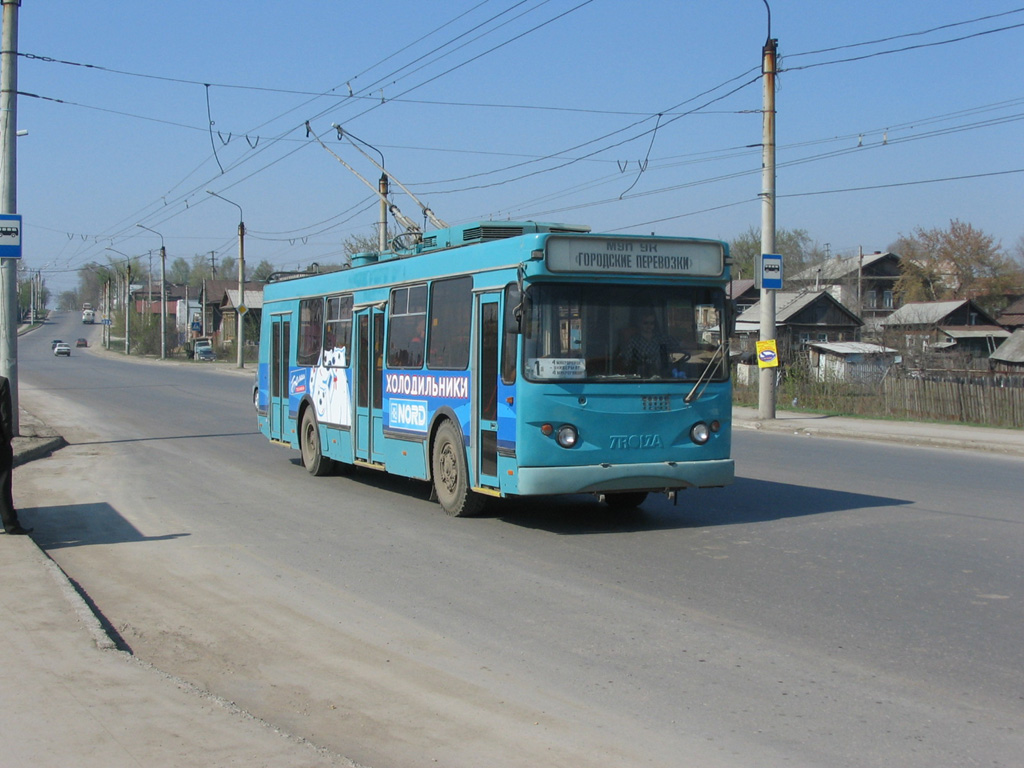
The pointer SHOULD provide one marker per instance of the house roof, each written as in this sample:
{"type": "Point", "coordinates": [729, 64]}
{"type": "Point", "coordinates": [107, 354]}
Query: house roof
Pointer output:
{"type": "Point", "coordinates": [787, 305]}
{"type": "Point", "coordinates": [253, 299]}
{"type": "Point", "coordinates": [932, 313]}
{"type": "Point", "coordinates": [1011, 350]}
{"type": "Point", "coordinates": [974, 331]}
{"type": "Point", "coordinates": [836, 269]}
{"type": "Point", "coordinates": [851, 348]}
{"type": "Point", "coordinates": [739, 287]}
{"type": "Point", "coordinates": [1013, 314]}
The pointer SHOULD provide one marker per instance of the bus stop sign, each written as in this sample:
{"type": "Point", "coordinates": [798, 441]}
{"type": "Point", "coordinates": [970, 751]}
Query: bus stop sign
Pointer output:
{"type": "Point", "coordinates": [771, 271]}
{"type": "Point", "coordinates": [10, 235]}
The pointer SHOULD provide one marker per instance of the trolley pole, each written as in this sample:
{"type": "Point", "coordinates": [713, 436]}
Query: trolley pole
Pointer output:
{"type": "Point", "coordinates": [9, 200]}
{"type": "Point", "coordinates": [382, 235]}
{"type": "Point", "coordinates": [766, 380]}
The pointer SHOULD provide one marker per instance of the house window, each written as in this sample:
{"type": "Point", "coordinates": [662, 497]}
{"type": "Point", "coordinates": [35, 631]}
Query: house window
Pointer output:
{"type": "Point", "coordinates": [887, 299]}
{"type": "Point", "coordinates": [871, 300]}
{"type": "Point", "coordinates": [804, 338]}
{"type": "Point", "coordinates": [822, 337]}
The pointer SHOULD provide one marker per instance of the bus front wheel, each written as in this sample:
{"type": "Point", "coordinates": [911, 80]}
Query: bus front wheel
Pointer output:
{"type": "Point", "coordinates": [313, 458]}
{"type": "Point", "coordinates": [451, 475]}
{"type": "Point", "coordinates": [625, 500]}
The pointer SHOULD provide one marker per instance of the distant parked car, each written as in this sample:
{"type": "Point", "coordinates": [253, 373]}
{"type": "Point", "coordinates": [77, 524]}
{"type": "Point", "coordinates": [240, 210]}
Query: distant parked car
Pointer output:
{"type": "Point", "coordinates": [205, 353]}
{"type": "Point", "coordinates": [82, 343]}
{"type": "Point", "coordinates": [60, 348]}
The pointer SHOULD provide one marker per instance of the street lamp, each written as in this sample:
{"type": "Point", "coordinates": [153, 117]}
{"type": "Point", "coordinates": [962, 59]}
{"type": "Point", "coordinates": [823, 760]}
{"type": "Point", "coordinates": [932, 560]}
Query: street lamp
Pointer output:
{"type": "Point", "coordinates": [240, 308]}
{"type": "Point", "coordinates": [163, 292]}
{"type": "Point", "coordinates": [127, 299]}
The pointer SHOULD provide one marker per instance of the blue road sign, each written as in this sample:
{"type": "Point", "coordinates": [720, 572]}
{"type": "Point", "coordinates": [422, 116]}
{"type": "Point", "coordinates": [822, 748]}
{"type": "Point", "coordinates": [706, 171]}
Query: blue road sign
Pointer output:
{"type": "Point", "coordinates": [10, 235]}
{"type": "Point", "coordinates": [771, 271]}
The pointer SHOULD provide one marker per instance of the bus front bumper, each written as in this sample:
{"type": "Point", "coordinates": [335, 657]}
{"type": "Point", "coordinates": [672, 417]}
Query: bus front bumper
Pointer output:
{"type": "Point", "coordinates": [604, 478]}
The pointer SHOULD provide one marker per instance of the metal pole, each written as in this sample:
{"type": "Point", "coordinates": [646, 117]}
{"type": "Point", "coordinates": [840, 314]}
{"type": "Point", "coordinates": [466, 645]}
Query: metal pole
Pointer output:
{"type": "Point", "coordinates": [163, 292]}
{"type": "Point", "coordinates": [241, 292]}
{"type": "Point", "coordinates": [241, 278]}
{"type": "Point", "coordinates": [766, 380]}
{"type": "Point", "coordinates": [163, 302]}
{"type": "Point", "coordinates": [9, 200]}
{"type": "Point", "coordinates": [127, 308]}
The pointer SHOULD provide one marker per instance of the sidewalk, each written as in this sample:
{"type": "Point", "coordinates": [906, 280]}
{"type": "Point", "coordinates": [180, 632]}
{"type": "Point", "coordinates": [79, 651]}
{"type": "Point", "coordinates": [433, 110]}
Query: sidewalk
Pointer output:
{"type": "Point", "coordinates": [1008, 442]}
{"type": "Point", "coordinates": [69, 697]}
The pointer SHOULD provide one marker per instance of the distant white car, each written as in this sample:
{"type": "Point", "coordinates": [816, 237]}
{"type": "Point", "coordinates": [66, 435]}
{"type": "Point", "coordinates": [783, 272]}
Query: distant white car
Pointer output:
{"type": "Point", "coordinates": [62, 349]}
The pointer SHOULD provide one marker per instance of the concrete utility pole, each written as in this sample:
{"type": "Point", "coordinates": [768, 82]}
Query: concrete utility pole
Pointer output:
{"type": "Point", "coordinates": [766, 380]}
{"type": "Point", "coordinates": [9, 200]}
{"type": "Point", "coordinates": [127, 299]}
{"type": "Point", "coordinates": [163, 292]}
{"type": "Point", "coordinates": [240, 308]}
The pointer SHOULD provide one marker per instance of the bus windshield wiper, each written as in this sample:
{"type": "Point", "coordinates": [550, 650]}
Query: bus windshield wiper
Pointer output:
{"type": "Point", "coordinates": [705, 376]}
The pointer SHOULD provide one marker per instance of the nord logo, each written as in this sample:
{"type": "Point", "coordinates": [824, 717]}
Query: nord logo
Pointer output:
{"type": "Point", "coordinates": [635, 441]}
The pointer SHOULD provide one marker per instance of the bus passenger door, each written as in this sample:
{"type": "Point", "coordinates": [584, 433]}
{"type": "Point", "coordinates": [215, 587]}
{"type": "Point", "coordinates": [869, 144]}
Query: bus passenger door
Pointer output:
{"type": "Point", "coordinates": [280, 349]}
{"type": "Point", "coordinates": [486, 412]}
{"type": "Point", "coordinates": [369, 423]}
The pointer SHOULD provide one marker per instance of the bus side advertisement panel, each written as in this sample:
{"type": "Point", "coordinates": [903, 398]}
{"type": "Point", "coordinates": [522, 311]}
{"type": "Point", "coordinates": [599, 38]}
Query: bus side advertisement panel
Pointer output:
{"type": "Point", "coordinates": [412, 398]}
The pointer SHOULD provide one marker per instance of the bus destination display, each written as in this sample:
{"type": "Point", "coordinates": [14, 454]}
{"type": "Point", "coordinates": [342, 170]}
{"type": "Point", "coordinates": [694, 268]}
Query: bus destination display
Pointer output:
{"type": "Point", "coordinates": [639, 256]}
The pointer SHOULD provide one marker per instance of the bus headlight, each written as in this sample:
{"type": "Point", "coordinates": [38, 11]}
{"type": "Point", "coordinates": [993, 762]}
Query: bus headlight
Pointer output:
{"type": "Point", "coordinates": [700, 433]}
{"type": "Point", "coordinates": [567, 436]}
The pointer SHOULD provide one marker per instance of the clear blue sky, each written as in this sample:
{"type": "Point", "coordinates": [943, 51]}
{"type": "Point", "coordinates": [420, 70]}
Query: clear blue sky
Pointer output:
{"type": "Point", "coordinates": [503, 109]}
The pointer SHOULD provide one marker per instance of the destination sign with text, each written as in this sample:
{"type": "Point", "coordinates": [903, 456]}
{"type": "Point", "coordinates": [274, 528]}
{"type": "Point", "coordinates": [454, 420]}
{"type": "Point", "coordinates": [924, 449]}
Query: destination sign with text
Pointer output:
{"type": "Point", "coordinates": [635, 256]}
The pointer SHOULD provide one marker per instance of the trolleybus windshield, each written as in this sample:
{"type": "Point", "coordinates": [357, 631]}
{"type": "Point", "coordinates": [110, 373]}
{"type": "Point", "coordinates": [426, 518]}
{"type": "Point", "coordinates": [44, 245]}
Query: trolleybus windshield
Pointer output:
{"type": "Point", "coordinates": [601, 332]}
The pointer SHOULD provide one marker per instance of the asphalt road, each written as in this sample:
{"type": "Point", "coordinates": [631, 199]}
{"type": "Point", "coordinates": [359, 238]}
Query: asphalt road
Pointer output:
{"type": "Point", "coordinates": [843, 604]}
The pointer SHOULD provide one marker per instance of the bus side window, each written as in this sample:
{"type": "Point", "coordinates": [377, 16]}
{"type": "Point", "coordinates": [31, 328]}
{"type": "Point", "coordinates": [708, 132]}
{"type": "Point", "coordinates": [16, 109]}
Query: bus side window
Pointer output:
{"type": "Point", "coordinates": [311, 328]}
{"type": "Point", "coordinates": [451, 310]}
{"type": "Point", "coordinates": [407, 327]}
{"type": "Point", "coordinates": [338, 331]}
{"type": "Point", "coordinates": [510, 335]}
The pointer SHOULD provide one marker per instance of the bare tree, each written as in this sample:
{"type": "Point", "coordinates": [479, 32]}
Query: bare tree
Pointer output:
{"type": "Point", "coordinates": [960, 262]}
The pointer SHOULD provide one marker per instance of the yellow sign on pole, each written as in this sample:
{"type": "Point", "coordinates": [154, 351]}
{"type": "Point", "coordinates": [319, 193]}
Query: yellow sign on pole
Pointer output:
{"type": "Point", "coordinates": [767, 354]}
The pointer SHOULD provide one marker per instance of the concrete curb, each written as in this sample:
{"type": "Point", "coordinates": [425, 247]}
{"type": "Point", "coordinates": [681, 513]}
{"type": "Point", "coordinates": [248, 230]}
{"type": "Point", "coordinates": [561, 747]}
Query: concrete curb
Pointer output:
{"type": "Point", "coordinates": [35, 441]}
{"type": "Point", "coordinates": [1003, 442]}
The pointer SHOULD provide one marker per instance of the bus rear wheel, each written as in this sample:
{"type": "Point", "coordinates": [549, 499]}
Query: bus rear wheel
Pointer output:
{"type": "Point", "coordinates": [627, 500]}
{"type": "Point", "coordinates": [313, 458]}
{"type": "Point", "coordinates": [451, 475]}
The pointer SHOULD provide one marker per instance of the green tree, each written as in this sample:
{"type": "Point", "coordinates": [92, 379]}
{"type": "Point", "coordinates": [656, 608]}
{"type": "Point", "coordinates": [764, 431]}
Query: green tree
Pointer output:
{"type": "Point", "coordinates": [228, 268]}
{"type": "Point", "coordinates": [202, 269]}
{"type": "Point", "coordinates": [180, 271]}
{"type": "Point", "coordinates": [263, 270]}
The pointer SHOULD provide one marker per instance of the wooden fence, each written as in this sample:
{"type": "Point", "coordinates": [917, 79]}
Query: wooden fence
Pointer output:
{"type": "Point", "coordinates": [996, 401]}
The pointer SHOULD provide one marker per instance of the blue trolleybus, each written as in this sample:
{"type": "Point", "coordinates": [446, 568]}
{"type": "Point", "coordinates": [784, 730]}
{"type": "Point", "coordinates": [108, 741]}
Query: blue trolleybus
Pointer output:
{"type": "Point", "coordinates": [508, 359]}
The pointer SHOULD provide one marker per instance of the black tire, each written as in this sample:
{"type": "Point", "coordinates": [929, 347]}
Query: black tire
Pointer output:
{"type": "Point", "coordinates": [313, 458]}
{"type": "Point", "coordinates": [451, 475]}
{"type": "Point", "coordinates": [625, 500]}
